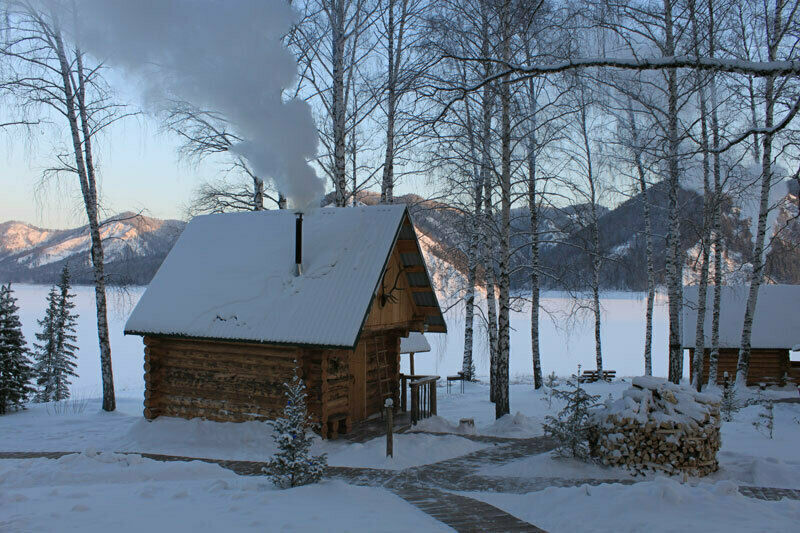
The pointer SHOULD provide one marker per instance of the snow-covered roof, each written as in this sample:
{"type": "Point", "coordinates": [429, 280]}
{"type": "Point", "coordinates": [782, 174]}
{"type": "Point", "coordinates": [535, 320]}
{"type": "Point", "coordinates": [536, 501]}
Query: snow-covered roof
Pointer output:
{"type": "Point", "coordinates": [776, 323]}
{"type": "Point", "coordinates": [415, 342]}
{"type": "Point", "coordinates": [231, 276]}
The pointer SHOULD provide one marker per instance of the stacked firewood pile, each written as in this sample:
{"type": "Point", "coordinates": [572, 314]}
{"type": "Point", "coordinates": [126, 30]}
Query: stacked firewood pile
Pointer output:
{"type": "Point", "coordinates": [660, 426]}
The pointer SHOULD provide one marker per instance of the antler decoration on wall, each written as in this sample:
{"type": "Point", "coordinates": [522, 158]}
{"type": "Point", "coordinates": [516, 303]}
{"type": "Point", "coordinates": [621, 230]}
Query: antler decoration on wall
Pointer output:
{"type": "Point", "coordinates": [390, 296]}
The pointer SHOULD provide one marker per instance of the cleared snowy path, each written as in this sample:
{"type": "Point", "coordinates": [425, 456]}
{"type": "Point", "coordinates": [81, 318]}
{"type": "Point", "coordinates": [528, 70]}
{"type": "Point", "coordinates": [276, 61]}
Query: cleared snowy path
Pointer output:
{"type": "Point", "coordinates": [425, 486]}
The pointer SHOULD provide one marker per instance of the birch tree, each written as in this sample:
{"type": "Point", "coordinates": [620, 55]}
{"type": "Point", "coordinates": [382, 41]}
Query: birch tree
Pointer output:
{"type": "Point", "coordinates": [778, 26]}
{"type": "Point", "coordinates": [54, 76]}
{"type": "Point", "coordinates": [328, 43]}
{"type": "Point", "coordinates": [401, 33]}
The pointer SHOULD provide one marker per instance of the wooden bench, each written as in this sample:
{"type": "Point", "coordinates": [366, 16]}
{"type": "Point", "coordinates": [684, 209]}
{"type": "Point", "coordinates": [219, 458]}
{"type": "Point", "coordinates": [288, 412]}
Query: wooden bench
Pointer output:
{"type": "Point", "coordinates": [458, 377]}
{"type": "Point", "coordinates": [590, 376]}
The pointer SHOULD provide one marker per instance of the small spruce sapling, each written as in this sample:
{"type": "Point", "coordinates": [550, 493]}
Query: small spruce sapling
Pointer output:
{"type": "Point", "coordinates": [766, 419]}
{"type": "Point", "coordinates": [729, 404]}
{"type": "Point", "coordinates": [293, 465]}
{"type": "Point", "coordinates": [573, 426]}
{"type": "Point", "coordinates": [15, 368]}
{"type": "Point", "coordinates": [551, 380]}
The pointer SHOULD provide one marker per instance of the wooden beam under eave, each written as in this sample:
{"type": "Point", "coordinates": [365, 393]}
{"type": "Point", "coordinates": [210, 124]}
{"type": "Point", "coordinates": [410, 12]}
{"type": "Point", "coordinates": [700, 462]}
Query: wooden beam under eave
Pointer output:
{"type": "Point", "coordinates": [429, 310]}
{"type": "Point", "coordinates": [407, 246]}
{"type": "Point", "coordinates": [437, 329]}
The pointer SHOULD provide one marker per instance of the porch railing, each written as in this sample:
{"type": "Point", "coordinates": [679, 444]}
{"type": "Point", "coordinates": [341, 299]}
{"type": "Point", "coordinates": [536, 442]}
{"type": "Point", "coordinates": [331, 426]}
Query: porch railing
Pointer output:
{"type": "Point", "coordinates": [422, 390]}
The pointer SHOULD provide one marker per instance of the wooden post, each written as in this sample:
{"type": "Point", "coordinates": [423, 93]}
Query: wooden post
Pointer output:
{"type": "Point", "coordinates": [414, 403]}
{"type": "Point", "coordinates": [403, 400]}
{"type": "Point", "coordinates": [411, 361]}
{"type": "Point", "coordinates": [389, 427]}
{"type": "Point", "coordinates": [433, 398]}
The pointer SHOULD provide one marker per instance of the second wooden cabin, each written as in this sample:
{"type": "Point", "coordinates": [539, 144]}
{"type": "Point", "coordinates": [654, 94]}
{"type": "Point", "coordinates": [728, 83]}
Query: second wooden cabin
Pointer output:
{"type": "Point", "coordinates": [243, 299]}
{"type": "Point", "coordinates": [776, 330]}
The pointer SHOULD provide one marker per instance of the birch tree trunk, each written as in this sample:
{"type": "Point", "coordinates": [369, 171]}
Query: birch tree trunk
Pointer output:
{"type": "Point", "coordinates": [491, 280]}
{"type": "Point", "coordinates": [674, 257]}
{"type": "Point", "coordinates": [468, 364]}
{"type": "Point", "coordinates": [75, 107]}
{"type": "Point", "coordinates": [648, 235]}
{"type": "Point", "coordinates": [338, 104]}
{"type": "Point", "coordinates": [756, 277]}
{"type": "Point", "coordinates": [713, 358]}
{"type": "Point", "coordinates": [503, 326]}
{"type": "Point", "coordinates": [705, 238]}
{"type": "Point", "coordinates": [595, 235]}
{"type": "Point", "coordinates": [479, 173]}
{"type": "Point", "coordinates": [258, 194]}
{"type": "Point", "coordinates": [394, 50]}
{"type": "Point", "coordinates": [533, 208]}
{"type": "Point", "coordinates": [387, 184]}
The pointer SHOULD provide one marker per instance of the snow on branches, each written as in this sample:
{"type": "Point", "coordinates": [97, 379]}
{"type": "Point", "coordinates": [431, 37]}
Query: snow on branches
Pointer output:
{"type": "Point", "coordinates": [55, 351]}
{"type": "Point", "coordinates": [15, 369]}
{"type": "Point", "coordinates": [293, 465]}
{"type": "Point", "coordinates": [573, 426]}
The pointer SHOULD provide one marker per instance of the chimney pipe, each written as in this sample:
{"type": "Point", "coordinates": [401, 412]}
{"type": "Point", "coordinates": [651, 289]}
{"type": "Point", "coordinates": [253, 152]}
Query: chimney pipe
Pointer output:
{"type": "Point", "coordinates": [298, 244]}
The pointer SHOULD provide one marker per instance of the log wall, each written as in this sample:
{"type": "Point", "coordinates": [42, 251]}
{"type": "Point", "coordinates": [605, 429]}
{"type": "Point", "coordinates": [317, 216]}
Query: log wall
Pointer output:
{"type": "Point", "coordinates": [223, 381]}
{"type": "Point", "coordinates": [766, 365]}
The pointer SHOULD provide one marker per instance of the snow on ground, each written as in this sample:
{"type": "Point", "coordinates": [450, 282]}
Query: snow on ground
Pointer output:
{"type": "Point", "coordinates": [528, 407]}
{"type": "Point", "coordinates": [40, 428]}
{"type": "Point", "coordinates": [92, 491]}
{"type": "Point", "coordinates": [661, 505]}
{"type": "Point", "coordinates": [108, 492]}
{"type": "Point", "coordinates": [747, 455]}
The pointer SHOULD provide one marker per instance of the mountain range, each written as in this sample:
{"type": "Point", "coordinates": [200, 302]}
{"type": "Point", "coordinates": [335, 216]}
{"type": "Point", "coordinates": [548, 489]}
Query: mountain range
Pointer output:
{"type": "Point", "coordinates": [135, 245]}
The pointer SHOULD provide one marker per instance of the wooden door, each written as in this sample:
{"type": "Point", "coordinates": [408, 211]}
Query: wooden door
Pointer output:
{"type": "Point", "coordinates": [358, 383]}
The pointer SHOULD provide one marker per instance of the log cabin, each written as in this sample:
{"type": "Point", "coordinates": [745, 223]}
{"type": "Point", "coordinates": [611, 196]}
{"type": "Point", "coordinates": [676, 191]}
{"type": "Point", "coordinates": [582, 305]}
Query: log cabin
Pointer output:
{"type": "Point", "coordinates": [776, 330]}
{"type": "Point", "coordinates": [243, 300]}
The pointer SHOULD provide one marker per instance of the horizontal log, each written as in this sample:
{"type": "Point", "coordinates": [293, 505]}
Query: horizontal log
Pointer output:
{"type": "Point", "coordinates": [213, 415]}
{"type": "Point", "coordinates": [275, 400]}
{"type": "Point", "coordinates": [264, 350]}
{"type": "Point", "coordinates": [188, 403]}
{"type": "Point", "coordinates": [223, 380]}
{"type": "Point", "coordinates": [206, 355]}
{"type": "Point", "coordinates": [260, 372]}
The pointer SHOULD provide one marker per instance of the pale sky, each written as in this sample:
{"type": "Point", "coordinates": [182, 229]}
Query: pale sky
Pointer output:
{"type": "Point", "coordinates": [138, 165]}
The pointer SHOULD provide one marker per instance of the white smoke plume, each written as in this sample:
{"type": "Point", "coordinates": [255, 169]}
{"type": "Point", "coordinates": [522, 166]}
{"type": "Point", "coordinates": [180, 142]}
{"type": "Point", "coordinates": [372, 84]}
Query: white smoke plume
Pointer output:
{"type": "Point", "coordinates": [222, 55]}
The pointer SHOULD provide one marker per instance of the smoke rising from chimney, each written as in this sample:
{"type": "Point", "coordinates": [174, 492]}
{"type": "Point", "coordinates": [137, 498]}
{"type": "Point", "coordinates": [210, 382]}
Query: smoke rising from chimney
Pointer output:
{"type": "Point", "coordinates": [225, 56]}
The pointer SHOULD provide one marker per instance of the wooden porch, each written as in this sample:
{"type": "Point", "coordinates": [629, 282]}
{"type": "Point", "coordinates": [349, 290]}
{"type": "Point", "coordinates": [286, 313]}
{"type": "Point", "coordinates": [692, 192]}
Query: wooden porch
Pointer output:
{"type": "Point", "coordinates": [417, 401]}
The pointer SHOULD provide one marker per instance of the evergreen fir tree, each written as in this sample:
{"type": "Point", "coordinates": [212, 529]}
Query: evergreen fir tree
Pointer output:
{"type": "Point", "coordinates": [729, 403]}
{"type": "Point", "coordinates": [45, 351]}
{"type": "Point", "coordinates": [573, 426]}
{"type": "Point", "coordinates": [293, 465]}
{"type": "Point", "coordinates": [55, 355]}
{"type": "Point", "coordinates": [15, 369]}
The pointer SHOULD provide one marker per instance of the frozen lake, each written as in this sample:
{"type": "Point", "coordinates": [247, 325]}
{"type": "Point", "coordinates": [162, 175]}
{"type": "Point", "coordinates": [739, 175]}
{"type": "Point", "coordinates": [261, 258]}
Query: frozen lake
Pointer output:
{"type": "Point", "coordinates": [565, 342]}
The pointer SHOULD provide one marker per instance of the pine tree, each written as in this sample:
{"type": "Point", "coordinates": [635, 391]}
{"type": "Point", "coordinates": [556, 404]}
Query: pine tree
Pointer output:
{"type": "Point", "coordinates": [55, 356]}
{"type": "Point", "coordinates": [293, 465]}
{"type": "Point", "coordinates": [15, 369]}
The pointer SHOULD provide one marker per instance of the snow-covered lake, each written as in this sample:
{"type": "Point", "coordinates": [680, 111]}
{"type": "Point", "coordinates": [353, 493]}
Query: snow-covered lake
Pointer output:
{"type": "Point", "coordinates": [565, 343]}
